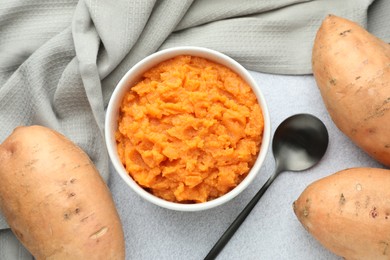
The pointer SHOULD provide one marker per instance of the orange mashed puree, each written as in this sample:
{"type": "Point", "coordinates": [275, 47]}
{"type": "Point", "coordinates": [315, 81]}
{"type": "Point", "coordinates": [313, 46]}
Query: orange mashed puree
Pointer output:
{"type": "Point", "coordinates": [190, 130]}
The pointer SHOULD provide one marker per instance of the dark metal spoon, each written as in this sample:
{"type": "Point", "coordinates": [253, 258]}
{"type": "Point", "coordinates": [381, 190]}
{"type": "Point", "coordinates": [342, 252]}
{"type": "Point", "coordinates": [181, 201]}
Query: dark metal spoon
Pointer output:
{"type": "Point", "coordinates": [299, 143]}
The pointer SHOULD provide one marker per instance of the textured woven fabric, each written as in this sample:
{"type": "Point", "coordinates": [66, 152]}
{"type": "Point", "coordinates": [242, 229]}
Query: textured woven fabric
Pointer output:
{"type": "Point", "coordinates": [61, 59]}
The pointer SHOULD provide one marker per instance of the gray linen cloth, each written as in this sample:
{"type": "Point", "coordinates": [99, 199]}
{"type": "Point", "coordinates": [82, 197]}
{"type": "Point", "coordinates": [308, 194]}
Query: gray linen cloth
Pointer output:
{"type": "Point", "coordinates": [61, 59]}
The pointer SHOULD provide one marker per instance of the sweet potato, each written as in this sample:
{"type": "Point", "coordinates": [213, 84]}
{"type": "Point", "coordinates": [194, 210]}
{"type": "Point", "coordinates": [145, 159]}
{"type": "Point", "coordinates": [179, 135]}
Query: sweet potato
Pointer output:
{"type": "Point", "coordinates": [352, 70]}
{"type": "Point", "coordinates": [349, 213]}
{"type": "Point", "coordinates": [54, 199]}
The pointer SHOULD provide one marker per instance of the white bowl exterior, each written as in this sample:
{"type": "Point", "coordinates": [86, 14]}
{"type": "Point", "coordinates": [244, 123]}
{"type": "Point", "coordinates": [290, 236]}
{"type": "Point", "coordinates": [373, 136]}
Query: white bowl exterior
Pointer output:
{"type": "Point", "coordinates": [133, 76]}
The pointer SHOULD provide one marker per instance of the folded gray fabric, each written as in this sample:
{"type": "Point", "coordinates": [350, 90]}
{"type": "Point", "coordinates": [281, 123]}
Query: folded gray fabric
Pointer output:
{"type": "Point", "coordinates": [61, 59]}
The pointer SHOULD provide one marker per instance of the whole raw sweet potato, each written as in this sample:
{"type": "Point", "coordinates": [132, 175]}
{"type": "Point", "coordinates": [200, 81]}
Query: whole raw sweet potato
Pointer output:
{"type": "Point", "coordinates": [352, 71]}
{"type": "Point", "coordinates": [54, 199]}
{"type": "Point", "coordinates": [349, 213]}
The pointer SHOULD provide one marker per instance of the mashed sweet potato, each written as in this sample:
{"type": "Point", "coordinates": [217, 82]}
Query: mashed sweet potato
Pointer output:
{"type": "Point", "coordinates": [190, 130]}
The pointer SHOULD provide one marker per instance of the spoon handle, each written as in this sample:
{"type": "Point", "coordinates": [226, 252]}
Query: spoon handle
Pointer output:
{"type": "Point", "coordinates": [239, 220]}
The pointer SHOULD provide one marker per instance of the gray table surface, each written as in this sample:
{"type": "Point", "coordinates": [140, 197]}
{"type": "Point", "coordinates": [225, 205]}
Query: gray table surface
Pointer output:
{"type": "Point", "coordinates": [272, 231]}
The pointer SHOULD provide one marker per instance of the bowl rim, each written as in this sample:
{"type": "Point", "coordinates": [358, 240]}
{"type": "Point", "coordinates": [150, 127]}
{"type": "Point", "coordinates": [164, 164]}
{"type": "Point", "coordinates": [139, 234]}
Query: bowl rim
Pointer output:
{"type": "Point", "coordinates": [123, 86]}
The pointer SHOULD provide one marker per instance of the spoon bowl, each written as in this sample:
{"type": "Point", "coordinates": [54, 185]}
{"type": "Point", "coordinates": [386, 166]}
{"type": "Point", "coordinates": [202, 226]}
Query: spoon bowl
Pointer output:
{"type": "Point", "coordinates": [299, 143]}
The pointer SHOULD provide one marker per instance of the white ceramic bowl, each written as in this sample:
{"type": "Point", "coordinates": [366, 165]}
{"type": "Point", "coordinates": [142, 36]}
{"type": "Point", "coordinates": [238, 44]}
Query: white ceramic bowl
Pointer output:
{"type": "Point", "coordinates": [133, 76]}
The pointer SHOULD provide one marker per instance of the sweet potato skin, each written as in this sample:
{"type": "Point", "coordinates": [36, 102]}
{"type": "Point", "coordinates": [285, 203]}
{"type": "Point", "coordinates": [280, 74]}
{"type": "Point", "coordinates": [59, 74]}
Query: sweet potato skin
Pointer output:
{"type": "Point", "coordinates": [349, 213]}
{"type": "Point", "coordinates": [352, 70]}
{"type": "Point", "coordinates": [54, 199]}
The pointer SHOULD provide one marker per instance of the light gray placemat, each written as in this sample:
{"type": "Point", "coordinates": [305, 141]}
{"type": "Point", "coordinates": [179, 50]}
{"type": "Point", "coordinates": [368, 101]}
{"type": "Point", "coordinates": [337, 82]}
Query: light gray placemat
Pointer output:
{"type": "Point", "coordinates": [61, 59]}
